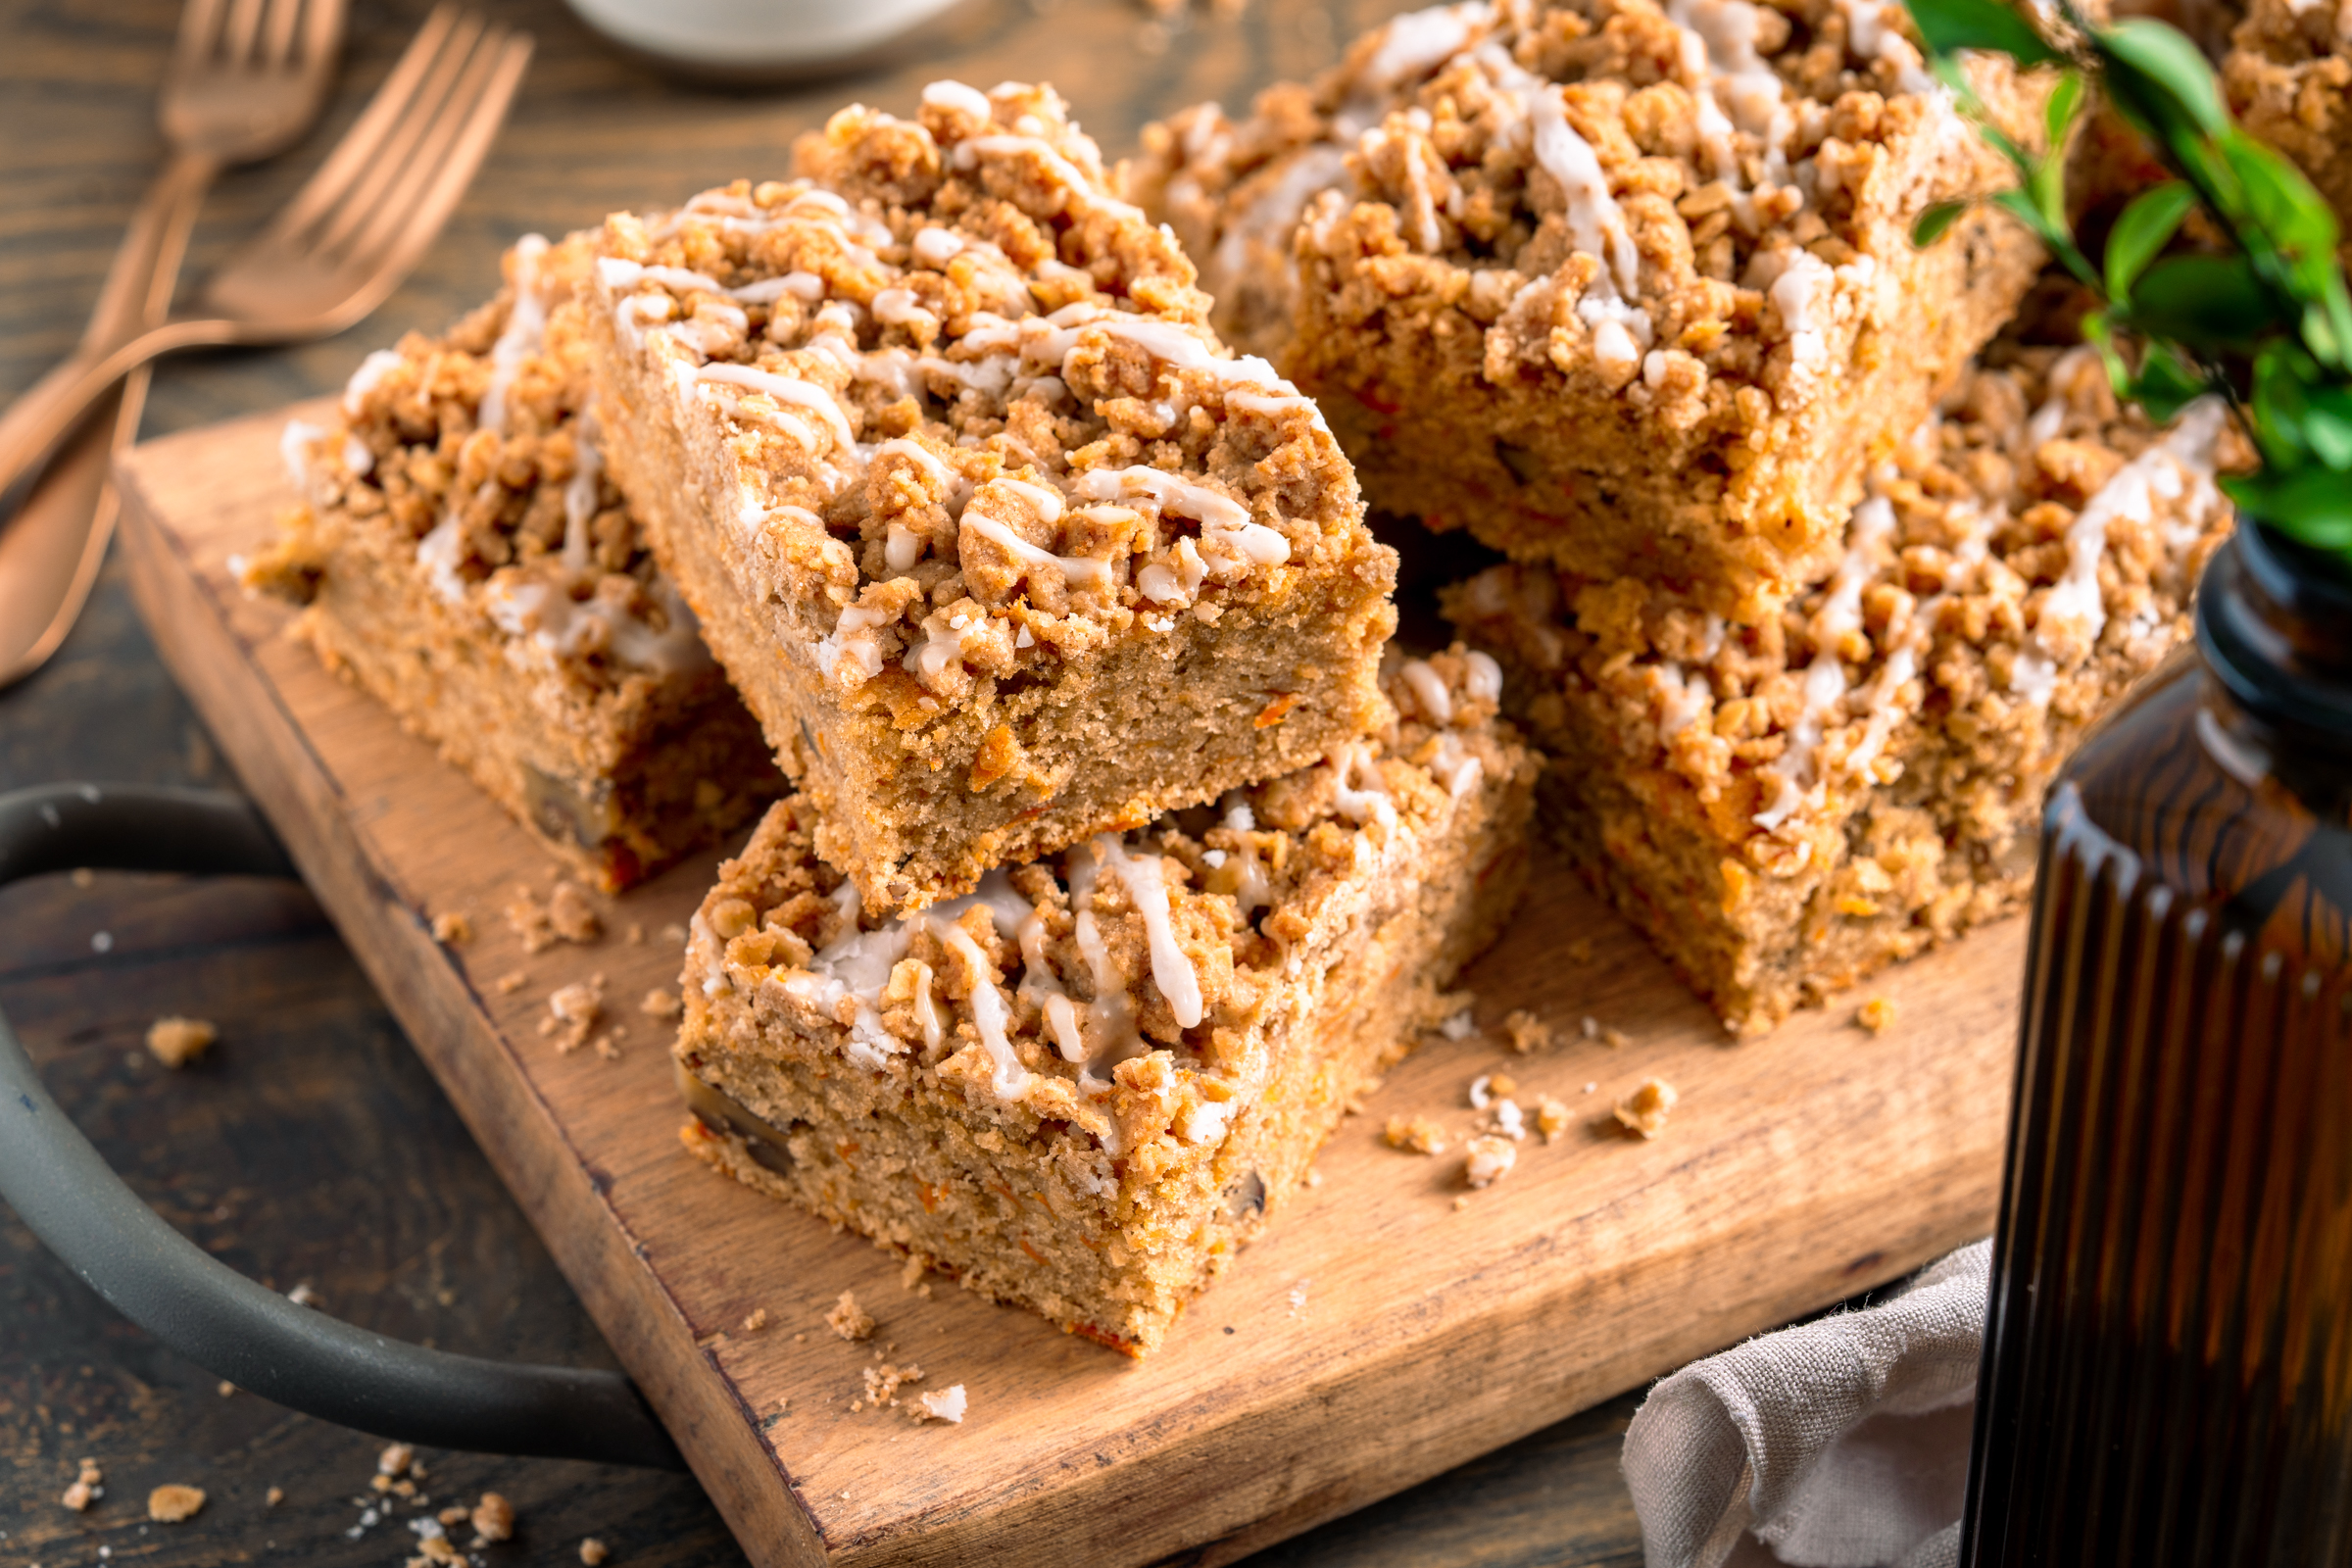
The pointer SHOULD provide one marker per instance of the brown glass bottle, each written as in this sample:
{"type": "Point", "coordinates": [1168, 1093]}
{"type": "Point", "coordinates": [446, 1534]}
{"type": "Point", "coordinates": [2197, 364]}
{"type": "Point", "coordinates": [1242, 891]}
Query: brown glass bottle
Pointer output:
{"type": "Point", "coordinates": [2167, 1359]}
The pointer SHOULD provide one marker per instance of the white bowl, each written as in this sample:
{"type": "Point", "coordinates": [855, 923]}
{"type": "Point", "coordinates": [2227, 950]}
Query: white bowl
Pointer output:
{"type": "Point", "coordinates": [756, 38]}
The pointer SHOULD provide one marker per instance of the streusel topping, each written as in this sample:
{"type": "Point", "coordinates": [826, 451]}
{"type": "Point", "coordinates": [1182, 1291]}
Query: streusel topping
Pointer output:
{"type": "Point", "coordinates": [2029, 532]}
{"type": "Point", "coordinates": [1666, 197]}
{"type": "Point", "coordinates": [979, 417]}
{"type": "Point", "coordinates": [1111, 987]}
{"type": "Point", "coordinates": [479, 449]}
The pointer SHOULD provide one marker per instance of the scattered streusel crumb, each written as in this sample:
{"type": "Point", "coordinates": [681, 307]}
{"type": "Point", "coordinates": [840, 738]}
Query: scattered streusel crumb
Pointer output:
{"type": "Point", "coordinates": [171, 1503]}
{"type": "Point", "coordinates": [527, 917]}
{"type": "Point", "coordinates": [1313, 1177]}
{"type": "Point", "coordinates": [673, 934]}
{"type": "Point", "coordinates": [1418, 1134]}
{"type": "Point", "coordinates": [757, 1321]}
{"type": "Point", "coordinates": [634, 936]}
{"type": "Point", "coordinates": [911, 1273]}
{"type": "Point", "coordinates": [883, 1383]}
{"type": "Point", "coordinates": [948, 1406]}
{"type": "Point", "coordinates": [850, 1320]}
{"type": "Point", "coordinates": [573, 1013]}
{"type": "Point", "coordinates": [1615, 1039]}
{"type": "Point", "coordinates": [1643, 1111]}
{"type": "Point", "coordinates": [395, 1460]}
{"type": "Point", "coordinates": [592, 1552]}
{"type": "Point", "coordinates": [452, 928]}
{"type": "Point", "coordinates": [1552, 1117]}
{"type": "Point", "coordinates": [224, 1388]}
{"type": "Point", "coordinates": [1489, 1086]}
{"type": "Point", "coordinates": [660, 1004]}
{"type": "Point", "coordinates": [277, 1495]}
{"type": "Point", "coordinates": [435, 1552]}
{"type": "Point", "coordinates": [178, 1041]}
{"type": "Point", "coordinates": [511, 981]}
{"type": "Point", "coordinates": [492, 1518]}
{"type": "Point", "coordinates": [85, 877]}
{"type": "Point", "coordinates": [88, 1487]}
{"type": "Point", "coordinates": [1461, 1202]}
{"type": "Point", "coordinates": [1581, 950]}
{"type": "Point", "coordinates": [1528, 1032]}
{"type": "Point", "coordinates": [1491, 1158]}
{"type": "Point", "coordinates": [1875, 1014]}
{"type": "Point", "coordinates": [573, 917]}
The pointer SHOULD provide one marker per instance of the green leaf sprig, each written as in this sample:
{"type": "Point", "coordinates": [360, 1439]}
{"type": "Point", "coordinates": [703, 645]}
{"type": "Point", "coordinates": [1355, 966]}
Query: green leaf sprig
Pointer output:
{"type": "Point", "coordinates": [2266, 325]}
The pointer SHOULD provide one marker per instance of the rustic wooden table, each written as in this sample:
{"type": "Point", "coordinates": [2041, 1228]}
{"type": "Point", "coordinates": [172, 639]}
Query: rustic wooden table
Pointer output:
{"type": "Point", "coordinates": [314, 1147]}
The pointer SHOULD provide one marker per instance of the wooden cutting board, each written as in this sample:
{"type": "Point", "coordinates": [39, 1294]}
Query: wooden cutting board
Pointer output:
{"type": "Point", "coordinates": [1389, 1325]}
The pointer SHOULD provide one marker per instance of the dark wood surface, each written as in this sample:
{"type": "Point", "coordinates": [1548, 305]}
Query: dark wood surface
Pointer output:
{"type": "Point", "coordinates": [315, 1146]}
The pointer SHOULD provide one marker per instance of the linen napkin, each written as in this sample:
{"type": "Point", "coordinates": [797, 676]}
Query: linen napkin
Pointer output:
{"type": "Point", "coordinates": [1836, 1444]}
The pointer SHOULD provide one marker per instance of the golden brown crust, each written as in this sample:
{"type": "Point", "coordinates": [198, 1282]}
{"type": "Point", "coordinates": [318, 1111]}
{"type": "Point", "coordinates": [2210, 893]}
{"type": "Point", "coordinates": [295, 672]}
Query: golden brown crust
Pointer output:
{"type": "Point", "coordinates": [1785, 806]}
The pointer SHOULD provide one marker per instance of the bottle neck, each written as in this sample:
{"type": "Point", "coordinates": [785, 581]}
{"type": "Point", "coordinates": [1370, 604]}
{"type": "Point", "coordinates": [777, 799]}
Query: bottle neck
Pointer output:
{"type": "Point", "coordinates": [2275, 624]}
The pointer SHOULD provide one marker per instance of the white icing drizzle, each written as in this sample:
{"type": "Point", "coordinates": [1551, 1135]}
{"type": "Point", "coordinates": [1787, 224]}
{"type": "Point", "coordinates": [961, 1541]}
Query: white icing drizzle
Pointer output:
{"type": "Point", "coordinates": [787, 389]}
{"type": "Point", "coordinates": [1146, 888]}
{"type": "Point", "coordinates": [1482, 681]}
{"type": "Point", "coordinates": [294, 445]}
{"type": "Point", "coordinates": [1429, 691]}
{"type": "Point", "coordinates": [364, 380]}
{"type": "Point", "coordinates": [357, 460]}
{"type": "Point", "coordinates": [1080, 570]}
{"type": "Point", "coordinates": [1369, 802]}
{"type": "Point", "coordinates": [989, 1014]}
{"type": "Point", "coordinates": [525, 334]}
{"type": "Point", "coordinates": [580, 491]}
{"type": "Point", "coordinates": [1224, 523]}
{"type": "Point", "coordinates": [961, 98]}
{"type": "Point", "coordinates": [899, 306]}
{"type": "Point", "coordinates": [1825, 678]}
{"type": "Point", "coordinates": [1455, 766]}
{"type": "Point", "coordinates": [851, 647]}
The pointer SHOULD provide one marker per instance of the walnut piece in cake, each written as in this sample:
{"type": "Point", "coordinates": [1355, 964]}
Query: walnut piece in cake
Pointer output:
{"type": "Point", "coordinates": [1620, 285]}
{"type": "Point", "coordinates": [1001, 546]}
{"type": "Point", "coordinates": [466, 559]}
{"type": "Point", "coordinates": [1084, 1085]}
{"type": "Point", "coordinates": [1784, 808]}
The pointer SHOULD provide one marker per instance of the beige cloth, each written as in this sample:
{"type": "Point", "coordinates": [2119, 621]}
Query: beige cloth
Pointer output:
{"type": "Point", "coordinates": [1836, 1444]}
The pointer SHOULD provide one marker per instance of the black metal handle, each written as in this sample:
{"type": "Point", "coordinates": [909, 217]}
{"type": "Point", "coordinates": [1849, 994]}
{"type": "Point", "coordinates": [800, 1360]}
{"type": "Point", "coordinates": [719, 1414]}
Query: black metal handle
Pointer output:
{"type": "Point", "coordinates": [206, 1311]}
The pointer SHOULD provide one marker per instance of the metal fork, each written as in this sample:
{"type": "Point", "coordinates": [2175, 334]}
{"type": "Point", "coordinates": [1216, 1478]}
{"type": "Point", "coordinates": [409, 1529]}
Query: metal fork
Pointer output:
{"type": "Point", "coordinates": [245, 80]}
{"type": "Point", "coordinates": [346, 240]}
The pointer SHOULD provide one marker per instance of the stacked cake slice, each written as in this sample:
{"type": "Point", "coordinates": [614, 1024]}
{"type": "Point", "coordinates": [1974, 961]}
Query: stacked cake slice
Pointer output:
{"type": "Point", "coordinates": [464, 558]}
{"type": "Point", "coordinates": [1114, 872]}
{"type": "Point", "coordinates": [1805, 603]}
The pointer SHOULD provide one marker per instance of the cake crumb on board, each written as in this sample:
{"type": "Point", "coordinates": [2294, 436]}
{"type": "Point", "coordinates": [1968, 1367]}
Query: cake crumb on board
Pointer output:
{"type": "Point", "coordinates": [660, 1004]}
{"type": "Point", "coordinates": [1528, 1032]}
{"type": "Point", "coordinates": [511, 981]}
{"type": "Point", "coordinates": [593, 1551]}
{"type": "Point", "coordinates": [573, 1013]}
{"type": "Point", "coordinates": [492, 1518]}
{"type": "Point", "coordinates": [850, 1320]}
{"type": "Point", "coordinates": [274, 1496]}
{"type": "Point", "coordinates": [754, 1320]}
{"type": "Point", "coordinates": [453, 928]}
{"type": "Point", "coordinates": [1416, 1135]}
{"type": "Point", "coordinates": [1552, 1117]}
{"type": "Point", "coordinates": [571, 914]}
{"type": "Point", "coordinates": [178, 1041]}
{"type": "Point", "coordinates": [946, 1405]}
{"type": "Point", "coordinates": [1489, 1158]}
{"type": "Point", "coordinates": [171, 1503]}
{"type": "Point", "coordinates": [1643, 1111]}
{"type": "Point", "coordinates": [1875, 1014]}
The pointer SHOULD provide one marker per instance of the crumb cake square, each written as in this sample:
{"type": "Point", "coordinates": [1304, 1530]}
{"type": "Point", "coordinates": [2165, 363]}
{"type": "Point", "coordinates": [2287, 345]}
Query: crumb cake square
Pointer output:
{"type": "Point", "coordinates": [2289, 79]}
{"type": "Point", "coordinates": [465, 560]}
{"type": "Point", "coordinates": [1081, 1087]}
{"type": "Point", "coordinates": [1001, 546]}
{"type": "Point", "coordinates": [1624, 287]}
{"type": "Point", "coordinates": [1784, 808]}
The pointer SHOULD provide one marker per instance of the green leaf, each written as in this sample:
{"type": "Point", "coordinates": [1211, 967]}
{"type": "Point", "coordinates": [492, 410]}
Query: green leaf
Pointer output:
{"type": "Point", "coordinates": [1950, 25]}
{"type": "Point", "coordinates": [1934, 220]}
{"type": "Point", "coordinates": [2143, 230]}
{"type": "Point", "coordinates": [2309, 503]}
{"type": "Point", "coordinates": [2021, 206]}
{"type": "Point", "coordinates": [2166, 383]}
{"type": "Point", "coordinates": [2157, 77]}
{"type": "Point", "coordinates": [2207, 303]}
{"type": "Point", "coordinates": [2058, 115]}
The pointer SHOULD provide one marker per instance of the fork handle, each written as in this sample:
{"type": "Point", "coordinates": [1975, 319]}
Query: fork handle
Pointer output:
{"type": "Point", "coordinates": [137, 291]}
{"type": "Point", "coordinates": [50, 410]}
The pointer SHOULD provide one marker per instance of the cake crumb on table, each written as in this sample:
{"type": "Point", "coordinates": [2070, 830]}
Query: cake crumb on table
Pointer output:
{"type": "Point", "coordinates": [527, 918]}
{"type": "Point", "coordinates": [88, 1487]}
{"type": "Point", "coordinates": [492, 1519]}
{"type": "Point", "coordinates": [1581, 950]}
{"type": "Point", "coordinates": [1415, 1133]}
{"type": "Point", "coordinates": [946, 1405]}
{"type": "Point", "coordinates": [1875, 1014]}
{"type": "Point", "coordinates": [171, 1503]}
{"type": "Point", "coordinates": [573, 1013]}
{"type": "Point", "coordinates": [593, 1551]}
{"type": "Point", "coordinates": [660, 1004]}
{"type": "Point", "coordinates": [911, 1272]}
{"type": "Point", "coordinates": [178, 1041]}
{"type": "Point", "coordinates": [452, 928]}
{"type": "Point", "coordinates": [1491, 1158]}
{"type": "Point", "coordinates": [571, 914]}
{"type": "Point", "coordinates": [1643, 1111]}
{"type": "Point", "coordinates": [1529, 1034]}
{"type": "Point", "coordinates": [274, 1496]}
{"type": "Point", "coordinates": [394, 1459]}
{"type": "Point", "coordinates": [224, 1388]}
{"type": "Point", "coordinates": [850, 1320]}
{"type": "Point", "coordinates": [1552, 1117]}
{"type": "Point", "coordinates": [1486, 1088]}
{"type": "Point", "coordinates": [883, 1383]}
{"type": "Point", "coordinates": [756, 1321]}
